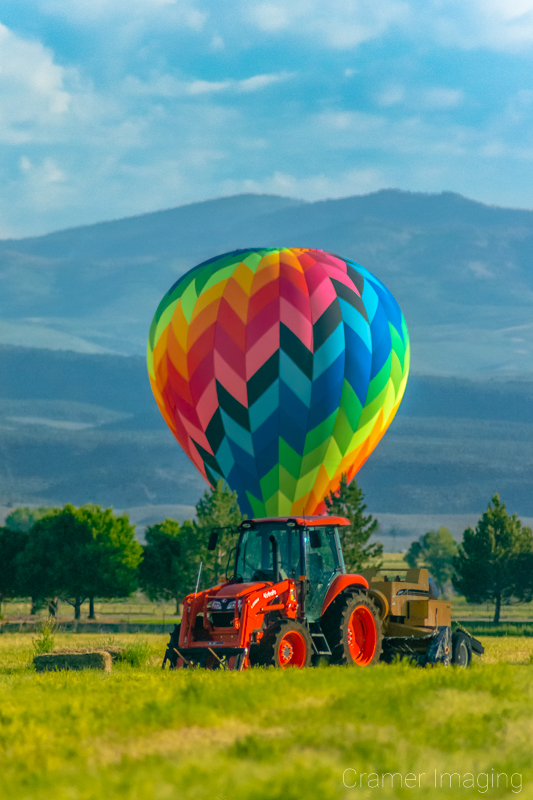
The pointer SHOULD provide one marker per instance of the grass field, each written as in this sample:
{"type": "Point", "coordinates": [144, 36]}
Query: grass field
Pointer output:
{"type": "Point", "coordinates": [140, 734]}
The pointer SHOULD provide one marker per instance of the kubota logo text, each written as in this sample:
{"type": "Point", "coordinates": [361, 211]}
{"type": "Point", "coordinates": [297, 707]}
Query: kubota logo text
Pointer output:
{"type": "Point", "coordinates": [271, 593]}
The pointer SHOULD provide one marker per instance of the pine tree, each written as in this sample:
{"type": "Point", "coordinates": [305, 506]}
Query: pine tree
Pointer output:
{"type": "Point", "coordinates": [495, 561]}
{"type": "Point", "coordinates": [217, 508]}
{"type": "Point", "coordinates": [348, 502]}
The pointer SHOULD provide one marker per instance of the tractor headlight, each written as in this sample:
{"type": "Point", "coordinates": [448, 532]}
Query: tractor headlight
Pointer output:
{"type": "Point", "coordinates": [231, 606]}
{"type": "Point", "coordinates": [214, 605]}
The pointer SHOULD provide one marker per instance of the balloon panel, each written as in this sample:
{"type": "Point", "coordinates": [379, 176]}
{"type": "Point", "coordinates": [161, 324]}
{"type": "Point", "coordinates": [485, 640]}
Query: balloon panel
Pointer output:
{"type": "Point", "coordinates": [278, 370]}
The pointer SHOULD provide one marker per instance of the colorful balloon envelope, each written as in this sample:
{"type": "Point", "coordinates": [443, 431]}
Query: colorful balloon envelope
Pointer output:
{"type": "Point", "coordinates": [278, 370]}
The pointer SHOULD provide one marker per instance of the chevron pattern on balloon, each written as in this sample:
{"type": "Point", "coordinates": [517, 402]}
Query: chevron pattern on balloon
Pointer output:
{"type": "Point", "coordinates": [278, 370]}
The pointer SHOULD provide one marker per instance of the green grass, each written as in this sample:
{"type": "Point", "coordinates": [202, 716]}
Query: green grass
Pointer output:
{"type": "Point", "coordinates": [502, 629]}
{"type": "Point", "coordinates": [516, 611]}
{"type": "Point", "coordinates": [141, 734]}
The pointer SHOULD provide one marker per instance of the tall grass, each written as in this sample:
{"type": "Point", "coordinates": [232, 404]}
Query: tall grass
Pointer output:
{"type": "Point", "coordinates": [135, 653]}
{"type": "Point", "coordinates": [45, 641]}
{"type": "Point", "coordinates": [144, 734]}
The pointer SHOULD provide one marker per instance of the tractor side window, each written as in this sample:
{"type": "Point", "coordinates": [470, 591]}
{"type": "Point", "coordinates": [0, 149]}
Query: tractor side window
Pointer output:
{"type": "Point", "coordinates": [321, 559]}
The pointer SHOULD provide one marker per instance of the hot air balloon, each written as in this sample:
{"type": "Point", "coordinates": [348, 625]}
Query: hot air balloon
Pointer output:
{"type": "Point", "coordinates": [278, 370]}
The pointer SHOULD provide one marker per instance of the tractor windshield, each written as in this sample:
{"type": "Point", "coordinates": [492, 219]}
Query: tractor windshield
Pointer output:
{"type": "Point", "coordinates": [255, 553]}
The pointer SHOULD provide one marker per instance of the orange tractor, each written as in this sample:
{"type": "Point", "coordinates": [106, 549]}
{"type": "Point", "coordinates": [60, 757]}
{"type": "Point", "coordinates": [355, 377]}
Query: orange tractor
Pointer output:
{"type": "Point", "coordinates": [289, 603]}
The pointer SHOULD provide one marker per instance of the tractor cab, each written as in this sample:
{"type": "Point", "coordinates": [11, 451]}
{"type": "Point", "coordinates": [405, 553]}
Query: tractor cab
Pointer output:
{"type": "Point", "coordinates": [302, 549]}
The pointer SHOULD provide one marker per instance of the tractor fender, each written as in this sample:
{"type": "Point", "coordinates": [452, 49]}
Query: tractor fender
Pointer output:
{"type": "Point", "coordinates": [340, 584]}
{"type": "Point", "coordinates": [381, 602]}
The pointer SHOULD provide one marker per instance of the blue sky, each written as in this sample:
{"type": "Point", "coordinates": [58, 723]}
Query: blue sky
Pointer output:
{"type": "Point", "coordinates": [116, 107]}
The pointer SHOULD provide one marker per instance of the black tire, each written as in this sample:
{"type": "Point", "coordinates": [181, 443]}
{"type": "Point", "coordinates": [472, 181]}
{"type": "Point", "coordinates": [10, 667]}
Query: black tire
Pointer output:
{"type": "Point", "coordinates": [461, 649]}
{"type": "Point", "coordinates": [285, 643]}
{"type": "Point", "coordinates": [171, 654]}
{"type": "Point", "coordinates": [360, 645]}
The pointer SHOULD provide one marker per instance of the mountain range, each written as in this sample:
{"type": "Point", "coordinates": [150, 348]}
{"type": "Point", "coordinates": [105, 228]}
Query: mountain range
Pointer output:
{"type": "Point", "coordinates": [460, 270]}
{"type": "Point", "coordinates": [80, 428]}
{"type": "Point", "coordinates": [78, 422]}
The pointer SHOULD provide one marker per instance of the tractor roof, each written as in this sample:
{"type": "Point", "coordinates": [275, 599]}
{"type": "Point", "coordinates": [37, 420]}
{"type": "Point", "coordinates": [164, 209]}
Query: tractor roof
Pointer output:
{"type": "Point", "coordinates": [313, 521]}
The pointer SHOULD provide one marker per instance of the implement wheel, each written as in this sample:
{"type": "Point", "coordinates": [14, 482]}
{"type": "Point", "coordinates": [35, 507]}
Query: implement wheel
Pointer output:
{"type": "Point", "coordinates": [285, 644]}
{"type": "Point", "coordinates": [461, 649]}
{"type": "Point", "coordinates": [352, 626]}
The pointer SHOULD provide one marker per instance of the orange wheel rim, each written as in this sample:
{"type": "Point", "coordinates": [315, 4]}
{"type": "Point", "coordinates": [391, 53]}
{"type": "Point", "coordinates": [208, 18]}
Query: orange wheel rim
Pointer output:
{"type": "Point", "coordinates": [292, 650]}
{"type": "Point", "coordinates": [362, 636]}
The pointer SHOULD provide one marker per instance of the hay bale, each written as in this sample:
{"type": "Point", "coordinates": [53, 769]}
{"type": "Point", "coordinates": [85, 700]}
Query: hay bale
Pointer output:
{"type": "Point", "coordinates": [97, 659]}
{"type": "Point", "coordinates": [115, 651]}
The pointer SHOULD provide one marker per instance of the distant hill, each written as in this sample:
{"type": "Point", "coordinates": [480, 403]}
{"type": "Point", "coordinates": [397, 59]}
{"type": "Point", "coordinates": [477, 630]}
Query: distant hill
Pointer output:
{"type": "Point", "coordinates": [460, 270]}
{"type": "Point", "coordinates": [85, 428]}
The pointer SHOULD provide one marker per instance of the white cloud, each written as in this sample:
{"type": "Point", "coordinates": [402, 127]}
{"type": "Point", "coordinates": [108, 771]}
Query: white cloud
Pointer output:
{"type": "Point", "coordinates": [494, 24]}
{"type": "Point", "coordinates": [480, 269]}
{"type": "Point", "coordinates": [435, 97]}
{"type": "Point", "coordinates": [23, 334]}
{"type": "Point", "coordinates": [391, 96]}
{"type": "Point", "coordinates": [351, 121]}
{"type": "Point", "coordinates": [169, 86]}
{"type": "Point", "coordinates": [355, 130]}
{"type": "Point", "coordinates": [46, 172]}
{"type": "Point", "coordinates": [340, 24]}
{"type": "Point", "coordinates": [439, 97]}
{"type": "Point", "coordinates": [171, 12]}
{"type": "Point", "coordinates": [312, 187]}
{"type": "Point", "coordinates": [33, 90]}
{"type": "Point", "coordinates": [270, 18]}
{"type": "Point", "coordinates": [217, 43]}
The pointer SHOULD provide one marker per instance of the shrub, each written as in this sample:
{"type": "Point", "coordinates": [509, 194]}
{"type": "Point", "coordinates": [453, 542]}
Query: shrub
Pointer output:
{"type": "Point", "coordinates": [44, 642]}
{"type": "Point", "coordinates": [135, 654]}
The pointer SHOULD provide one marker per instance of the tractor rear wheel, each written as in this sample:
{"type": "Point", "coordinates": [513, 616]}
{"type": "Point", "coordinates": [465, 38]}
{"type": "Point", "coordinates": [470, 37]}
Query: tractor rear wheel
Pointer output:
{"type": "Point", "coordinates": [285, 643]}
{"type": "Point", "coordinates": [352, 626]}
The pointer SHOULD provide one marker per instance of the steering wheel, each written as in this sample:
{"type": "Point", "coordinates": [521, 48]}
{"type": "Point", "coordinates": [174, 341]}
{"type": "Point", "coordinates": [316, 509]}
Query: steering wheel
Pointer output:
{"type": "Point", "coordinates": [261, 574]}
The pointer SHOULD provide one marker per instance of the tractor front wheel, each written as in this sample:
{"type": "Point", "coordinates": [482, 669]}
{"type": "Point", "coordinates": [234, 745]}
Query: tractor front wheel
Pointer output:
{"type": "Point", "coordinates": [285, 644]}
{"type": "Point", "coordinates": [352, 626]}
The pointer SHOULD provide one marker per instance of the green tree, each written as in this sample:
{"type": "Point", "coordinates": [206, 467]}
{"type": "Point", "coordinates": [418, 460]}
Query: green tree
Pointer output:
{"type": "Point", "coordinates": [436, 550]}
{"type": "Point", "coordinates": [494, 561]}
{"type": "Point", "coordinates": [348, 502]}
{"type": "Point", "coordinates": [12, 543]}
{"type": "Point", "coordinates": [217, 508]}
{"type": "Point", "coordinates": [116, 554]}
{"type": "Point", "coordinates": [79, 554]}
{"type": "Point", "coordinates": [21, 519]}
{"type": "Point", "coordinates": [170, 564]}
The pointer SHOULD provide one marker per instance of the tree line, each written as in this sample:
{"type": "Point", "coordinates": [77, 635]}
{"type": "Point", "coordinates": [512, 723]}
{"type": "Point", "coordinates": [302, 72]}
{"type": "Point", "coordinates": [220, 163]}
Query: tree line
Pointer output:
{"type": "Point", "coordinates": [493, 564]}
{"type": "Point", "coordinates": [78, 554]}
